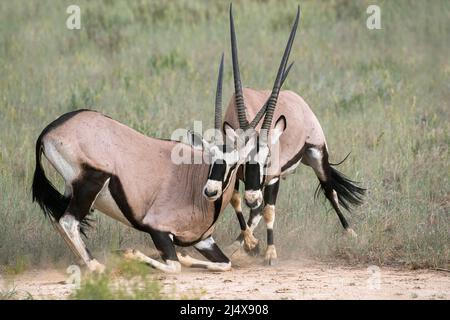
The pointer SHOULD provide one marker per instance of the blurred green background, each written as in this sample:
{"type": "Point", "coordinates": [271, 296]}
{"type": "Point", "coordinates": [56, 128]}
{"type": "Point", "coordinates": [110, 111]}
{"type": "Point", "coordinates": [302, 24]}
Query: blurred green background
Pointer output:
{"type": "Point", "coordinates": [382, 94]}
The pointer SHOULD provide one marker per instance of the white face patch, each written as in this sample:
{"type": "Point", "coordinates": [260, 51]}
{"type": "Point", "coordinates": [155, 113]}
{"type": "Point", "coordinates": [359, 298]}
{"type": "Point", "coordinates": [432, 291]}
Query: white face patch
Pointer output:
{"type": "Point", "coordinates": [263, 160]}
{"type": "Point", "coordinates": [230, 159]}
{"type": "Point", "coordinates": [212, 186]}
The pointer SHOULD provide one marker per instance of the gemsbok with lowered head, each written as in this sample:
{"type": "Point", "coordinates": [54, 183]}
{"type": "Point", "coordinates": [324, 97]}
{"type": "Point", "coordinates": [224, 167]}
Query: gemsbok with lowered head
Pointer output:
{"type": "Point", "coordinates": [131, 178]}
{"type": "Point", "coordinates": [296, 136]}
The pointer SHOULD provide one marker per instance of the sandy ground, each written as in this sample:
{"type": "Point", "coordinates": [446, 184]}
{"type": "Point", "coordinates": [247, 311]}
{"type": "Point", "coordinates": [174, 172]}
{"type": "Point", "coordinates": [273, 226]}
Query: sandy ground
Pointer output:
{"type": "Point", "coordinates": [289, 279]}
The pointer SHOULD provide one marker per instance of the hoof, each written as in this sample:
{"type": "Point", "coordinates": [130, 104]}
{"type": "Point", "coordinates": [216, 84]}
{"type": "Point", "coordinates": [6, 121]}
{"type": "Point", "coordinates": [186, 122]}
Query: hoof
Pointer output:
{"type": "Point", "coordinates": [96, 267]}
{"type": "Point", "coordinates": [219, 267]}
{"type": "Point", "coordinates": [351, 233]}
{"type": "Point", "coordinates": [128, 253]}
{"type": "Point", "coordinates": [253, 251]}
{"type": "Point", "coordinates": [271, 256]}
{"type": "Point", "coordinates": [271, 262]}
{"type": "Point", "coordinates": [250, 242]}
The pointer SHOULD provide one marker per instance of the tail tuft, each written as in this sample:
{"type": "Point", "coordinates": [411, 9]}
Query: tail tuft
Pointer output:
{"type": "Point", "coordinates": [44, 193]}
{"type": "Point", "coordinates": [348, 191]}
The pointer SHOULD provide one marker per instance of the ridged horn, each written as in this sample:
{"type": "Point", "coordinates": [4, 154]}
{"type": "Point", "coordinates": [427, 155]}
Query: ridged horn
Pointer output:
{"type": "Point", "coordinates": [271, 103]}
{"type": "Point", "coordinates": [238, 94]}
{"type": "Point", "coordinates": [262, 111]}
{"type": "Point", "coordinates": [218, 104]}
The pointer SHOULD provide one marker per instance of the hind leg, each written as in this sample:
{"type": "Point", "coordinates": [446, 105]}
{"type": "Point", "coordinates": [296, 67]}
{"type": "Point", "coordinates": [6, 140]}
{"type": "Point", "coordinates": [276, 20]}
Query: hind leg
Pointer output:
{"type": "Point", "coordinates": [69, 227]}
{"type": "Point", "coordinates": [317, 158]}
{"type": "Point", "coordinates": [84, 191]}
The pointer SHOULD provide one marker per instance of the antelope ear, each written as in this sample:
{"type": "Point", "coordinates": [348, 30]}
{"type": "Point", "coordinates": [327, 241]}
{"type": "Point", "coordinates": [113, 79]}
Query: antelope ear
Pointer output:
{"type": "Point", "coordinates": [230, 133]}
{"type": "Point", "coordinates": [196, 141]}
{"type": "Point", "coordinates": [278, 129]}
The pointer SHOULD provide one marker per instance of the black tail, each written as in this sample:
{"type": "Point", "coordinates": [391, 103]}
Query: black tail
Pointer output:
{"type": "Point", "coordinates": [44, 193]}
{"type": "Point", "coordinates": [348, 191]}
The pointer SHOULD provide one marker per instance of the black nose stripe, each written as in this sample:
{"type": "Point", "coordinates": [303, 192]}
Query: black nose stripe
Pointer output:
{"type": "Point", "coordinates": [252, 176]}
{"type": "Point", "coordinates": [218, 171]}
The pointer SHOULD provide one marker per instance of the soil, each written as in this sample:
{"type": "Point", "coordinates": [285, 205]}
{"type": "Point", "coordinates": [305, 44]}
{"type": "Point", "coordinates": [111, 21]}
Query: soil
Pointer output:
{"type": "Point", "coordinates": [250, 279]}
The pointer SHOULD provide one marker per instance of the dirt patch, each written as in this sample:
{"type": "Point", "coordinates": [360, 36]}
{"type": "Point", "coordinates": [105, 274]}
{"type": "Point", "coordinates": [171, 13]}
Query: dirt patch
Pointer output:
{"type": "Point", "coordinates": [249, 279]}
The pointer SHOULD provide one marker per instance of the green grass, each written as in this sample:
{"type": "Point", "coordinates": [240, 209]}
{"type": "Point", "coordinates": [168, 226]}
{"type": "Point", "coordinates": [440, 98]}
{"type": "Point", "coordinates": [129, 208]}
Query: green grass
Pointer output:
{"type": "Point", "coordinates": [124, 281]}
{"type": "Point", "coordinates": [384, 95]}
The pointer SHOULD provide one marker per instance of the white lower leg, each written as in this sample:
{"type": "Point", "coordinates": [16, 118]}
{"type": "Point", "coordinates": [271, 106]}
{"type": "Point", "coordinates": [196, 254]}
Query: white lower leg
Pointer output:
{"type": "Point", "coordinates": [190, 262]}
{"type": "Point", "coordinates": [69, 227]}
{"type": "Point", "coordinates": [170, 266]}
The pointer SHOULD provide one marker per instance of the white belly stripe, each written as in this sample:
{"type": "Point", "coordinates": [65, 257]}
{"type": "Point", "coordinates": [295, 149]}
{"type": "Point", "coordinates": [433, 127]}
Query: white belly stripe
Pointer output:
{"type": "Point", "coordinates": [105, 203]}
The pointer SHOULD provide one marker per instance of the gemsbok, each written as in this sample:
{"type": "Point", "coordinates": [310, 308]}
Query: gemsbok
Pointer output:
{"type": "Point", "coordinates": [296, 136]}
{"type": "Point", "coordinates": [130, 177]}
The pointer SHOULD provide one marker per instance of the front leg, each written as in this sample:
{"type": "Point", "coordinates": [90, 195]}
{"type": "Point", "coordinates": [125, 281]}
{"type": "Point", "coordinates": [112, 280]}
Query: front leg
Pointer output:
{"type": "Point", "coordinates": [164, 244]}
{"type": "Point", "coordinates": [209, 249]}
{"type": "Point", "coordinates": [246, 237]}
{"type": "Point", "coordinates": [270, 198]}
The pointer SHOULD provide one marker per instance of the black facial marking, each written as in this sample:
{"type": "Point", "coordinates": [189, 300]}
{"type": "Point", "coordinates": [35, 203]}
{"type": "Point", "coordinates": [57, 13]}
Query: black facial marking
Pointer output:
{"type": "Point", "coordinates": [252, 176]}
{"type": "Point", "coordinates": [218, 170]}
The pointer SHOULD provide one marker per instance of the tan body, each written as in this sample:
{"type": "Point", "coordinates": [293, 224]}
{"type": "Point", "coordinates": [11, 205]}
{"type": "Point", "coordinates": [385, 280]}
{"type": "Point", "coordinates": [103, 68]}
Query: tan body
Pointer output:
{"type": "Point", "coordinates": [131, 178]}
{"type": "Point", "coordinates": [303, 141]}
{"type": "Point", "coordinates": [161, 194]}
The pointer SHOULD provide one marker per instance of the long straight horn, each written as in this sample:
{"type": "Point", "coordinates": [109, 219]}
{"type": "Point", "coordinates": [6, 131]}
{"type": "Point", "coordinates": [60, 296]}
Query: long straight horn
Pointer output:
{"type": "Point", "coordinates": [262, 111]}
{"type": "Point", "coordinates": [218, 104]}
{"type": "Point", "coordinates": [238, 95]}
{"type": "Point", "coordinates": [277, 85]}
